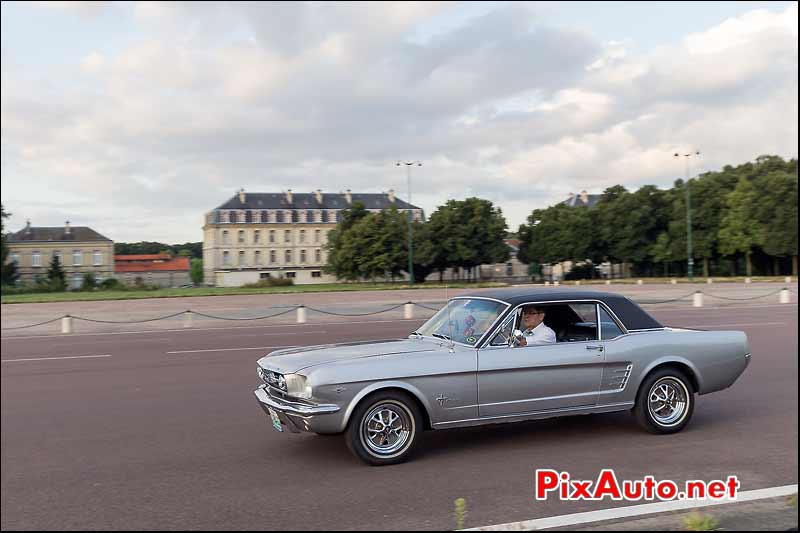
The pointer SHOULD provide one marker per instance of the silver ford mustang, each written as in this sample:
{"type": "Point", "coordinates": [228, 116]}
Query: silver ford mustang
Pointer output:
{"type": "Point", "coordinates": [471, 365]}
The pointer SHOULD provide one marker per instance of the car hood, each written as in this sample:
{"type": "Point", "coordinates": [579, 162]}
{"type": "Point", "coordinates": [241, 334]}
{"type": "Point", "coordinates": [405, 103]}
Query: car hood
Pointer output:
{"type": "Point", "coordinates": [292, 360]}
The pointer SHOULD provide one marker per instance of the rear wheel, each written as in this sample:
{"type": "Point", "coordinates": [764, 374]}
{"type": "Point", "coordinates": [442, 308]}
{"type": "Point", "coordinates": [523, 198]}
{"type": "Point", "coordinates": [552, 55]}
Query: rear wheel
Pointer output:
{"type": "Point", "coordinates": [665, 401]}
{"type": "Point", "coordinates": [384, 428]}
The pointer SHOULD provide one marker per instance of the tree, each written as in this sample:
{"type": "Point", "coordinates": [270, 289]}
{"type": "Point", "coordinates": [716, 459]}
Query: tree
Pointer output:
{"type": "Point", "coordinates": [661, 251]}
{"type": "Point", "coordinates": [89, 281]}
{"type": "Point", "coordinates": [196, 271]}
{"type": "Point", "coordinates": [342, 253]}
{"type": "Point", "coordinates": [55, 275]}
{"type": "Point", "coordinates": [9, 274]}
{"type": "Point", "coordinates": [741, 231]}
{"type": "Point", "coordinates": [776, 210]}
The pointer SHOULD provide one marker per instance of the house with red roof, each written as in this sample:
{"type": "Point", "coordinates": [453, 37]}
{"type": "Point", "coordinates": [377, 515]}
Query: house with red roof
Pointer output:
{"type": "Point", "coordinates": [160, 269]}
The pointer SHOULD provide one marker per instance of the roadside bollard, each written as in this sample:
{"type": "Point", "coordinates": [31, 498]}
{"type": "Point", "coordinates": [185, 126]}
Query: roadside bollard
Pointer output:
{"type": "Point", "coordinates": [608, 282]}
{"type": "Point", "coordinates": [556, 283]}
{"type": "Point", "coordinates": [187, 319]}
{"type": "Point", "coordinates": [639, 282]}
{"type": "Point", "coordinates": [546, 283]}
{"type": "Point", "coordinates": [709, 281]}
{"type": "Point", "coordinates": [747, 280]}
{"type": "Point", "coordinates": [301, 314]}
{"type": "Point", "coordinates": [66, 324]}
{"type": "Point", "coordinates": [577, 282]}
{"type": "Point", "coordinates": [408, 311]}
{"type": "Point", "coordinates": [674, 281]}
{"type": "Point", "coordinates": [784, 297]}
{"type": "Point", "coordinates": [697, 301]}
{"type": "Point", "coordinates": [787, 279]}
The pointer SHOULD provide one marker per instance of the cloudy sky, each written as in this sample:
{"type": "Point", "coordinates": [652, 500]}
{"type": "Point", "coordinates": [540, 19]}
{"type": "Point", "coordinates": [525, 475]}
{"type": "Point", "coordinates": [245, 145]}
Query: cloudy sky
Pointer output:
{"type": "Point", "coordinates": [137, 118]}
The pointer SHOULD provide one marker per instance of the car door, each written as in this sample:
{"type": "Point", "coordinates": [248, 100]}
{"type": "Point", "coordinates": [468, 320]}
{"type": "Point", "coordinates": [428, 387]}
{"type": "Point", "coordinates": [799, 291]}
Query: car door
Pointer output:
{"type": "Point", "coordinates": [545, 377]}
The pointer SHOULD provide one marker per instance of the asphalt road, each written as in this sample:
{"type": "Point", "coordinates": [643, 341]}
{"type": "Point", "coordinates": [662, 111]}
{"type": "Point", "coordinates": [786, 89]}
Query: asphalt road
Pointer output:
{"type": "Point", "coordinates": [160, 430]}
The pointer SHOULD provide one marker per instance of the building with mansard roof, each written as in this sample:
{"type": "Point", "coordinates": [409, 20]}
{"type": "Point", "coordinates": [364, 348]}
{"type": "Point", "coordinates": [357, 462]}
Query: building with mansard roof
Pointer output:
{"type": "Point", "coordinates": [254, 236]}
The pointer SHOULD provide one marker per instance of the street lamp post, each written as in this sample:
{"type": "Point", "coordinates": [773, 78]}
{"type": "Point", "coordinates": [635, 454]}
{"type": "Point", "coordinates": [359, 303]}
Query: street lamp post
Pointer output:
{"type": "Point", "coordinates": [689, 251]}
{"type": "Point", "coordinates": [408, 165]}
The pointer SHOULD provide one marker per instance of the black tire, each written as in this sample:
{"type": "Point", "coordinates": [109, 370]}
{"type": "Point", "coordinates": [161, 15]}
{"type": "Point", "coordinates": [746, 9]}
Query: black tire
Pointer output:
{"type": "Point", "coordinates": [676, 388]}
{"type": "Point", "coordinates": [400, 436]}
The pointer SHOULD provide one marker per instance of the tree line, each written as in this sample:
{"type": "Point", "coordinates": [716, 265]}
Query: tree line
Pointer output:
{"type": "Point", "coordinates": [459, 234]}
{"type": "Point", "coordinates": [744, 220]}
{"type": "Point", "coordinates": [188, 249]}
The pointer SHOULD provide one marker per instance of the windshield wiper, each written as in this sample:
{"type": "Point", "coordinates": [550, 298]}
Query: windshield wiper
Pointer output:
{"type": "Point", "coordinates": [445, 337]}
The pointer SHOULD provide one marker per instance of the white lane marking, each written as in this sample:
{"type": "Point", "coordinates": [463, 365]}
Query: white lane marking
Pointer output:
{"type": "Point", "coordinates": [636, 510]}
{"type": "Point", "coordinates": [190, 330]}
{"type": "Point", "coordinates": [53, 358]}
{"type": "Point", "coordinates": [230, 349]}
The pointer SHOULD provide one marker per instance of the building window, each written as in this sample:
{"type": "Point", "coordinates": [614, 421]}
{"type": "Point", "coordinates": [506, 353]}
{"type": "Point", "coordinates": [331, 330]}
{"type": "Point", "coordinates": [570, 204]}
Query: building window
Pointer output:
{"type": "Point", "coordinates": [272, 235]}
{"type": "Point", "coordinates": [226, 258]}
{"type": "Point", "coordinates": [291, 274]}
{"type": "Point", "coordinates": [241, 258]}
{"type": "Point", "coordinates": [97, 258]}
{"type": "Point", "coordinates": [241, 236]}
{"type": "Point", "coordinates": [225, 237]}
{"type": "Point", "coordinates": [264, 275]}
{"type": "Point", "coordinates": [288, 256]}
{"type": "Point", "coordinates": [257, 237]}
{"type": "Point", "coordinates": [255, 216]}
{"type": "Point", "coordinates": [77, 258]}
{"type": "Point", "coordinates": [240, 217]}
{"type": "Point", "coordinates": [224, 217]}
{"type": "Point", "coordinates": [77, 281]}
{"type": "Point", "coordinates": [302, 235]}
{"type": "Point", "coordinates": [287, 236]}
{"type": "Point", "coordinates": [302, 256]}
{"type": "Point", "coordinates": [15, 257]}
{"type": "Point", "coordinates": [36, 259]}
{"type": "Point", "coordinates": [316, 274]}
{"type": "Point", "coordinates": [303, 216]}
{"type": "Point", "coordinates": [258, 257]}
{"type": "Point", "coordinates": [318, 255]}
{"type": "Point", "coordinates": [57, 253]}
{"type": "Point", "coordinates": [273, 257]}
{"type": "Point", "coordinates": [317, 235]}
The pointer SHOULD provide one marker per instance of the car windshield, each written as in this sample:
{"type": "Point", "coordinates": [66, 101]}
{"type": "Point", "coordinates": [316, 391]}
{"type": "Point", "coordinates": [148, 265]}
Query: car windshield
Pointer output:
{"type": "Point", "coordinates": [468, 318]}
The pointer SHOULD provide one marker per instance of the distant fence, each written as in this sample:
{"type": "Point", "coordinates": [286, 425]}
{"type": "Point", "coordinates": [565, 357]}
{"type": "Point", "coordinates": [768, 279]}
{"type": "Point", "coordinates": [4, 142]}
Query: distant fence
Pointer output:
{"type": "Point", "coordinates": [408, 311]}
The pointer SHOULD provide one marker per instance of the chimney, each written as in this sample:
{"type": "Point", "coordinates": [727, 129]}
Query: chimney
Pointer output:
{"type": "Point", "coordinates": [348, 197]}
{"type": "Point", "coordinates": [66, 228]}
{"type": "Point", "coordinates": [28, 227]}
{"type": "Point", "coordinates": [242, 196]}
{"type": "Point", "coordinates": [390, 194]}
{"type": "Point", "coordinates": [289, 196]}
{"type": "Point", "coordinates": [318, 194]}
{"type": "Point", "coordinates": [585, 197]}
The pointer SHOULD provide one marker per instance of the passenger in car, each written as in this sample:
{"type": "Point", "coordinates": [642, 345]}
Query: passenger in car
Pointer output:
{"type": "Point", "coordinates": [536, 331]}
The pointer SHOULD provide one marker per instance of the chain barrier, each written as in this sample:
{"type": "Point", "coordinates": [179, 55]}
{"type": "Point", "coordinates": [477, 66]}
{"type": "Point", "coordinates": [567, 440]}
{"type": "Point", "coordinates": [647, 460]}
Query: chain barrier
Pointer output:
{"type": "Point", "coordinates": [289, 310]}
{"type": "Point", "coordinates": [333, 313]}
{"type": "Point", "coordinates": [126, 321]}
{"type": "Point", "coordinates": [34, 325]}
{"type": "Point", "coordinates": [355, 314]}
{"type": "Point", "coordinates": [743, 299]}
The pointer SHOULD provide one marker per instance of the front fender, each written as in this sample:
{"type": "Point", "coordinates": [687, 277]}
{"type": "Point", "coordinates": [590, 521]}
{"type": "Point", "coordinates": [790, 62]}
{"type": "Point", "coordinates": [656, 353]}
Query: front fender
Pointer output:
{"type": "Point", "coordinates": [382, 385]}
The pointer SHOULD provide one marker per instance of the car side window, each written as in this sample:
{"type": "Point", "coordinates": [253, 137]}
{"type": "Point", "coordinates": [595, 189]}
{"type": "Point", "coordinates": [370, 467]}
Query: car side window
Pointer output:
{"type": "Point", "coordinates": [608, 326]}
{"type": "Point", "coordinates": [506, 331]}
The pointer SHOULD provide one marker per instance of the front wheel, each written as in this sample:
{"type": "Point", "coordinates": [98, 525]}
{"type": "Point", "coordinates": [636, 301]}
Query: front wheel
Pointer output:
{"type": "Point", "coordinates": [665, 401]}
{"type": "Point", "coordinates": [384, 429]}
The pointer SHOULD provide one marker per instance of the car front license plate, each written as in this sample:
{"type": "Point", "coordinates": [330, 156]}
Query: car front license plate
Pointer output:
{"type": "Point", "coordinates": [276, 422]}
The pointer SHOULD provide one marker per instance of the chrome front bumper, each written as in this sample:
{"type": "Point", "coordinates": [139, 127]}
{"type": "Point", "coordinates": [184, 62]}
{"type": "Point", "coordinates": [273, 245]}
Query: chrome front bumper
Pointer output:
{"type": "Point", "coordinates": [295, 416]}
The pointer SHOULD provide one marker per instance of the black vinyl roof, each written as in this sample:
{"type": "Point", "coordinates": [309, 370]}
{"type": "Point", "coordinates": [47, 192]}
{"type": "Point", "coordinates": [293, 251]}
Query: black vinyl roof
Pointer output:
{"type": "Point", "coordinates": [631, 315]}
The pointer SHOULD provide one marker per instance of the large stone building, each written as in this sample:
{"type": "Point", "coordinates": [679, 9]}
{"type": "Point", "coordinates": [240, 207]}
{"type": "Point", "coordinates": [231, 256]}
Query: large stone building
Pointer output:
{"type": "Point", "coordinates": [80, 250]}
{"type": "Point", "coordinates": [255, 236]}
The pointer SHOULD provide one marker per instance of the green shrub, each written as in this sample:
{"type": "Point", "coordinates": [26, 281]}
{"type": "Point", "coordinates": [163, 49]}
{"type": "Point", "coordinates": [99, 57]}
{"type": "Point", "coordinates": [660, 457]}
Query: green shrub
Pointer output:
{"type": "Point", "coordinates": [111, 284]}
{"type": "Point", "coordinates": [269, 282]}
{"type": "Point", "coordinates": [89, 282]}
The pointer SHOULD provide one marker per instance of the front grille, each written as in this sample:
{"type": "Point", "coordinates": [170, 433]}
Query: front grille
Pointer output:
{"type": "Point", "coordinates": [273, 379]}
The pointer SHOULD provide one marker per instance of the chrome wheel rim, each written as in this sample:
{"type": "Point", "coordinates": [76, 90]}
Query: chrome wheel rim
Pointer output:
{"type": "Point", "coordinates": [668, 401]}
{"type": "Point", "coordinates": [387, 428]}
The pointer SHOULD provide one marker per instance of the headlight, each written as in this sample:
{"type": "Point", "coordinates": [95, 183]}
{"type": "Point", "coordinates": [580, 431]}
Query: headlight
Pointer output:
{"type": "Point", "coordinates": [298, 386]}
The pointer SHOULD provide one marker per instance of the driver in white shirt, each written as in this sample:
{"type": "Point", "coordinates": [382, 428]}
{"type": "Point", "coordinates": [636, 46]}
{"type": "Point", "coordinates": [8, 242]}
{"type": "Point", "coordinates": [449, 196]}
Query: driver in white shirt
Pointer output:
{"type": "Point", "coordinates": [536, 332]}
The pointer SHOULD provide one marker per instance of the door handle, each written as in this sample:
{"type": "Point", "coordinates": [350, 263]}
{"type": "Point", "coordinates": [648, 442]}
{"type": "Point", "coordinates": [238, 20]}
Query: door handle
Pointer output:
{"type": "Point", "coordinates": [599, 348]}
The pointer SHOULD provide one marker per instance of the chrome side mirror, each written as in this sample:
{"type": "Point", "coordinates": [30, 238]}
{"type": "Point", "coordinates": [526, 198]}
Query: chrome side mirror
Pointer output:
{"type": "Point", "coordinates": [518, 334]}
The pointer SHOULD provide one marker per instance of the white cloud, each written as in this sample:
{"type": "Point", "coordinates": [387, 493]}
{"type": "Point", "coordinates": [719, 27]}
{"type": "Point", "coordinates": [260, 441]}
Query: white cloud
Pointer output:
{"type": "Point", "coordinates": [140, 141]}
